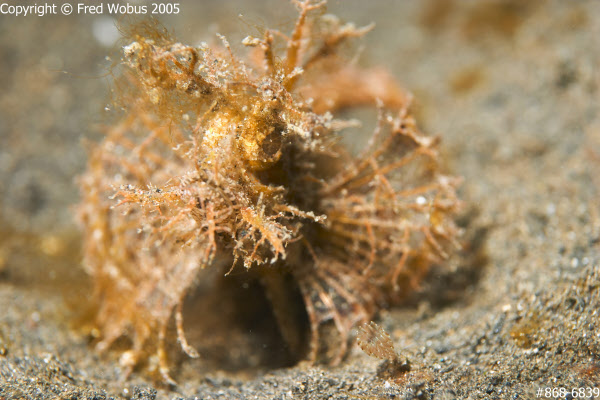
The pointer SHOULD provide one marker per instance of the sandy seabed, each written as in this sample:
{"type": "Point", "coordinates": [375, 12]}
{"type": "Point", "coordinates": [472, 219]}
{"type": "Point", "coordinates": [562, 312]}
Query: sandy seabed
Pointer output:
{"type": "Point", "coordinates": [512, 89]}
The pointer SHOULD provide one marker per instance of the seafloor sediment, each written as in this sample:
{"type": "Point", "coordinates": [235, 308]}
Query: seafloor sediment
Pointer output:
{"type": "Point", "coordinates": [512, 88]}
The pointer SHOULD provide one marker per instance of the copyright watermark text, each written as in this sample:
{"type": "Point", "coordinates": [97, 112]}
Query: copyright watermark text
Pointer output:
{"type": "Point", "coordinates": [88, 8]}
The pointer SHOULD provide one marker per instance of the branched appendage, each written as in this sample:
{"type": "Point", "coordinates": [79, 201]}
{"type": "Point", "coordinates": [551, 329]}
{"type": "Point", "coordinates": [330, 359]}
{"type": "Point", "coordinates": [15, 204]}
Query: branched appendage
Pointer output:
{"type": "Point", "coordinates": [376, 342]}
{"type": "Point", "coordinates": [386, 210]}
{"type": "Point", "coordinates": [213, 158]}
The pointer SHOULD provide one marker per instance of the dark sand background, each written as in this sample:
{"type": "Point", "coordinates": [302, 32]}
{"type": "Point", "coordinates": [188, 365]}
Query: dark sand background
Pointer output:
{"type": "Point", "coordinates": [512, 87]}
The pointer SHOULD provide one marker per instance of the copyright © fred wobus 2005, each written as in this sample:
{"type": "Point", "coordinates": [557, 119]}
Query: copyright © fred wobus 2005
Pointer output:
{"type": "Point", "coordinates": [42, 9]}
